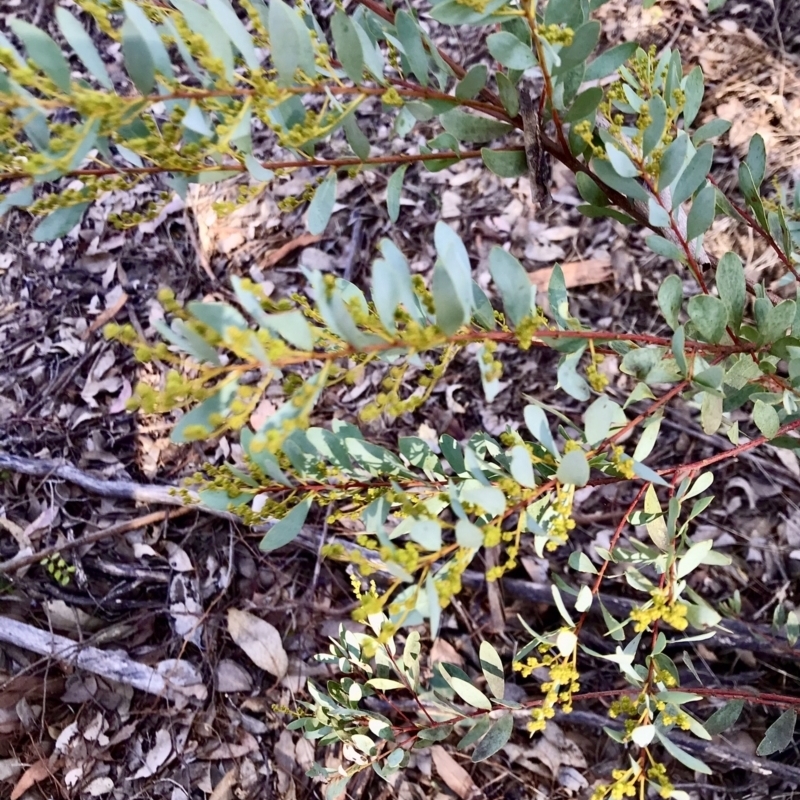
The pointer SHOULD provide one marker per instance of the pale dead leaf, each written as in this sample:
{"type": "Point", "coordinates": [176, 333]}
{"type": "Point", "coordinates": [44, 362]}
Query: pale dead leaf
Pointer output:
{"type": "Point", "coordinates": [453, 774]}
{"type": "Point", "coordinates": [788, 458]}
{"type": "Point", "coordinates": [535, 251]}
{"type": "Point", "coordinates": [42, 522]}
{"type": "Point", "coordinates": [314, 258]}
{"type": "Point", "coordinates": [445, 652]}
{"type": "Point", "coordinates": [576, 273]}
{"type": "Point", "coordinates": [183, 678]}
{"type": "Point", "coordinates": [264, 410]}
{"type": "Point", "coordinates": [224, 789]}
{"type": "Point", "coordinates": [429, 436]}
{"type": "Point", "coordinates": [247, 744]}
{"type": "Point", "coordinates": [547, 753]}
{"type": "Point", "coordinates": [17, 532]}
{"type": "Point", "coordinates": [178, 558]}
{"type": "Point", "coordinates": [9, 768]}
{"type": "Point", "coordinates": [285, 760]}
{"type": "Point", "coordinates": [284, 752]}
{"type": "Point", "coordinates": [260, 640]}
{"type": "Point", "coordinates": [99, 786]}
{"type": "Point", "coordinates": [572, 780]}
{"type": "Point", "coordinates": [304, 753]}
{"type": "Point", "coordinates": [554, 749]}
{"type": "Point", "coordinates": [296, 676]}
{"type": "Point", "coordinates": [66, 736]}
{"type": "Point", "coordinates": [35, 773]}
{"type": "Point", "coordinates": [232, 677]}
{"type": "Point", "coordinates": [156, 755]}
{"type": "Point", "coordinates": [185, 608]}
{"type": "Point", "coordinates": [120, 403]}
{"type": "Point", "coordinates": [69, 618]}
{"type": "Point", "coordinates": [558, 233]}
{"type": "Point", "coordinates": [451, 205]}
{"type": "Point", "coordinates": [9, 721]}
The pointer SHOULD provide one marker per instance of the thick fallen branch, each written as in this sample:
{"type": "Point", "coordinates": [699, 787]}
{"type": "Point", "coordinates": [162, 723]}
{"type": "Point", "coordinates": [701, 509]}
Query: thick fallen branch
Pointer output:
{"type": "Point", "coordinates": [23, 559]}
{"type": "Point", "coordinates": [711, 751]}
{"type": "Point", "coordinates": [171, 679]}
{"type": "Point", "coordinates": [732, 633]}
{"type": "Point", "coordinates": [102, 487]}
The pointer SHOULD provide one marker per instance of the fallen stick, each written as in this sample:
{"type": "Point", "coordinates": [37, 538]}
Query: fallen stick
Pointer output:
{"type": "Point", "coordinates": [25, 560]}
{"type": "Point", "coordinates": [123, 490]}
{"type": "Point", "coordinates": [172, 679]}
{"type": "Point", "coordinates": [756, 638]}
{"type": "Point", "coordinates": [730, 632]}
{"type": "Point", "coordinates": [704, 749]}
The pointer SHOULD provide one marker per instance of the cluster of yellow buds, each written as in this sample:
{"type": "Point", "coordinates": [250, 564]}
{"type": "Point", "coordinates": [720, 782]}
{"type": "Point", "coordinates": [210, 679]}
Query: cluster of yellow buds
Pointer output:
{"type": "Point", "coordinates": [683, 721]}
{"type": "Point", "coordinates": [370, 602]}
{"type": "Point", "coordinates": [662, 607]}
{"type": "Point", "coordinates": [388, 401]}
{"type": "Point", "coordinates": [622, 463]}
{"type": "Point", "coordinates": [658, 774]}
{"type": "Point", "coordinates": [559, 689]}
{"type": "Point", "coordinates": [624, 706]}
{"type": "Point", "coordinates": [533, 322]}
{"type": "Point", "coordinates": [391, 97]}
{"type": "Point", "coordinates": [475, 5]}
{"type": "Point", "coordinates": [597, 380]}
{"type": "Point", "coordinates": [493, 368]}
{"type": "Point", "coordinates": [555, 34]}
{"type": "Point", "coordinates": [561, 523]}
{"type": "Point", "coordinates": [624, 785]}
{"type": "Point", "coordinates": [665, 677]}
{"type": "Point", "coordinates": [448, 582]}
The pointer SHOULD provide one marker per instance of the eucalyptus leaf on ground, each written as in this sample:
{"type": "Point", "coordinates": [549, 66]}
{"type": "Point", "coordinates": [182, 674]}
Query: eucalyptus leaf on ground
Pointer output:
{"type": "Point", "coordinates": [259, 640]}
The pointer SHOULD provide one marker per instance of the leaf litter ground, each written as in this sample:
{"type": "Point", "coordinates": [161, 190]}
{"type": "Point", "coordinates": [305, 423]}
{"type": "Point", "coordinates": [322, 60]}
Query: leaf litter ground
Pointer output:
{"type": "Point", "coordinates": [192, 594]}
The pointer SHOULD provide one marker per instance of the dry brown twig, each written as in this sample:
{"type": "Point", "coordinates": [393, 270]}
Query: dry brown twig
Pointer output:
{"type": "Point", "coordinates": [756, 638]}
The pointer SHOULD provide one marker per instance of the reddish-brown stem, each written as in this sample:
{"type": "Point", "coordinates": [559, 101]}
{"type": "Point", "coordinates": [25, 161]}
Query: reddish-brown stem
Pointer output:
{"type": "Point", "coordinates": [293, 164]}
{"type": "Point", "coordinates": [733, 453]}
{"type": "Point", "coordinates": [508, 337]}
{"type": "Point", "coordinates": [766, 699]}
{"type": "Point", "coordinates": [458, 70]}
{"type": "Point", "coordinates": [756, 226]}
{"type": "Point", "coordinates": [611, 545]}
{"type": "Point", "coordinates": [404, 680]}
{"type": "Point", "coordinates": [637, 420]}
{"type": "Point", "coordinates": [530, 13]}
{"type": "Point", "coordinates": [615, 538]}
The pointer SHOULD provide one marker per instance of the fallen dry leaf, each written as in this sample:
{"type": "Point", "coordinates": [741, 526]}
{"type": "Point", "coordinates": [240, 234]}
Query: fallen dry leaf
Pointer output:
{"type": "Point", "coordinates": [554, 749]}
{"type": "Point", "coordinates": [224, 789]}
{"type": "Point", "coordinates": [245, 745]}
{"type": "Point", "coordinates": [260, 640]}
{"type": "Point", "coordinates": [453, 774]}
{"type": "Point", "coordinates": [106, 316]}
{"type": "Point", "coordinates": [232, 677]}
{"type": "Point", "coordinates": [9, 768]}
{"type": "Point", "coordinates": [271, 259]}
{"type": "Point", "coordinates": [444, 651]}
{"type": "Point", "coordinates": [99, 786]}
{"type": "Point", "coordinates": [576, 273]}
{"type": "Point", "coordinates": [35, 773]}
{"type": "Point", "coordinates": [156, 755]}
